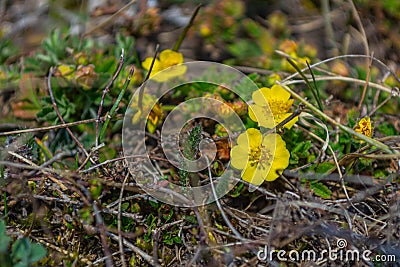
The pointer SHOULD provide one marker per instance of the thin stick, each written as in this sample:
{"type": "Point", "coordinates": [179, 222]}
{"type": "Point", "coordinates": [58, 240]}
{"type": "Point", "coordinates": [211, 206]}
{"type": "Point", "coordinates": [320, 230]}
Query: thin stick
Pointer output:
{"type": "Point", "coordinates": [87, 158]}
{"type": "Point", "coordinates": [360, 26]}
{"type": "Point", "coordinates": [25, 166]}
{"type": "Point", "coordinates": [53, 101]}
{"type": "Point", "coordinates": [100, 225]}
{"type": "Point", "coordinates": [140, 97]}
{"type": "Point", "coordinates": [186, 29]}
{"type": "Point", "coordinates": [329, 119]}
{"type": "Point", "coordinates": [135, 249]}
{"type": "Point", "coordinates": [364, 92]}
{"type": "Point", "coordinates": [61, 185]}
{"type": "Point", "coordinates": [344, 56]}
{"type": "Point", "coordinates": [296, 113]}
{"type": "Point", "coordinates": [53, 127]}
{"type": "Point", "coordinates": [328, 25]}
{"type": "Point", "coordinates": [121, 246]}
{"type": "Point", "coordinates": [116, 104]}
{"type": "Point", "coordinates": [225, 218]}
{"type": "Point", "coordinates": [126, 157]}
{"type": "Point", "coordinates": [106, 21]}
{"type": "Point", "coordinates": [105, 91]}
{"type": "Point", "coordinates": [228, 223]}
{"type": "Point", "coordinates": [314, 90]}
{"type": "Point", "coordinates": [379, 106]}
{"type": "Point", "coordinates": [345, 79]}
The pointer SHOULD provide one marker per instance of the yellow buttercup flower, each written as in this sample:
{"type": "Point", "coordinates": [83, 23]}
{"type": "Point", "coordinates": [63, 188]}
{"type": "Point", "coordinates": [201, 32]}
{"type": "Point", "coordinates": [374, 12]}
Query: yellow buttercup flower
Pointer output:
{"type": "Point", "coordinates": [365, 127]}
{"type": "Point", "coordinates": [273, 100]}
{"type": "Point", "coordinates": [169, 62]}
{"type": "Point", "coordinates": [261, 158]}
{"type": "Point", "coordinates": [155, 115]}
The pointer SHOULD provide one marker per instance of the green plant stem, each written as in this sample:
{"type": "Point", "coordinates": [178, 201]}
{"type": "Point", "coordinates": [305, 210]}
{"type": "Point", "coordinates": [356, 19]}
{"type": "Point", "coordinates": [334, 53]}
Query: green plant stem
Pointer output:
{"type": "Point", "coordinates": [367, 139]}
{"type": "Point", "coordinates": [116, 103]}
{"type": "Point", "coordinates": [105, 92]}
{"type": "Point", "coordinates": [345, 79]}
{"type": "Point", "coordinates": [313, 89]}
{"type": "Point", "coordinates": [383, 65]}
{"type": "Point", "coordinates": [186, 29]}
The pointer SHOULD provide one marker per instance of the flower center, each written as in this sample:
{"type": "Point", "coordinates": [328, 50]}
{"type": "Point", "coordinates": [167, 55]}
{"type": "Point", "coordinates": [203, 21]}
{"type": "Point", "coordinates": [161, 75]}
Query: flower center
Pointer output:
{"type": "Point", "coordinates": [278, 106]}
{"type": "Point", "coordinates": [260, 155]}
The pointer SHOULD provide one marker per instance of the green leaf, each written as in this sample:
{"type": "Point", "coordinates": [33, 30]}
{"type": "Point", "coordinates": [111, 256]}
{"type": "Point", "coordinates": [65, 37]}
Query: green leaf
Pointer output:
{"type": "Point", "coordinates": [2, 229]}
{"type": "Point", "coordinates": [4, 239]}
{"type": "Point", "coordinates": [177, 240]}
{"type": "Point", "coordinates": [237, 190]}
{"type": "Point", "coordinates": [253, 28]}
{"type": "Point", "coordinates": [106, 65]}
{"type": "Point", "coordinates": [320, 189]}
{"type": "Point", "coordinates": [168, 216]}
{"type": "Point", "coordinates": [46, 114]}
{"type": "Point", "coordinates": [124, 206]}
{"type": "Point", "coordinates": [168, 241]}
{"type": "Point", "coordinates": [37, 252]}
{"type": "Point", "coordinates": [190, 219]}
{"type": "Point", "coordinates": [386, 129]}
{"type": "Point", "coordinates": [20, 251]}
{"type": "Point", "coordinates": [324, 167]}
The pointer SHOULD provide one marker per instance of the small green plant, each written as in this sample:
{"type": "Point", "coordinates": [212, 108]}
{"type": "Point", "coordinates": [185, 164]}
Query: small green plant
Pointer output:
{"type": "Point", "coordinates": [190, 150]}
{"type": "Point", "coordinates": [23, 252]}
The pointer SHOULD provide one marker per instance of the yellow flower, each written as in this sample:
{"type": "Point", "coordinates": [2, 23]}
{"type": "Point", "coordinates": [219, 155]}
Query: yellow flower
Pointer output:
{"type": "Point", "coordinates": [301, 62]}
{"type": "Point", "coordinates": [168, 62]}
{"type": "Point", "coordinates": [365, 127]}
{"type": "Point", "coordinates": [290, 48]}
{"type": "Point", "coordinates": [259, 157]}
{"type": "Point", "coordinates": [155, 115]}
{"type": "Point", "coordinates": [205, 30]}
{"type": "Point", "coordinates": [273, 100]}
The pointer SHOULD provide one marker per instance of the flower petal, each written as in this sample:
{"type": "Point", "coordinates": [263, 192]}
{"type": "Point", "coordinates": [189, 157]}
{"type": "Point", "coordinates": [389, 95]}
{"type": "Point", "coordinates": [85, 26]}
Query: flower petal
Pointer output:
{"type": "Point", "coordinates": [239, 157]}
{"type": "Point", "coordinates": [279, 164]}
{"type": "Point", "coordinates": [280, 156]}
{"type": "Point", "coordinates": [279, 93]}
{"type": "Point", "coordinates": [264, 172]}
{"type": "Point", "coordinates": [261, 96]}
{"type": "Point", "coordinates": [169, 58]}
{"type": "Point", "coordinates": [252, 112]}
{"type": "Point", "coordinates": [269, 142]}
{"type": "Point", "coordinates": [251, 138]}
{"type": "Point", "coordinates": [262, 115]}
{"type": "Point", "coordinates": [252, 175]}
{"type": "Point", "coordinates": [169, 73]}
{"type": "Point", "coordinates": [272, 175]}
{"type": "Point", "coordinates": [147, 63]}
